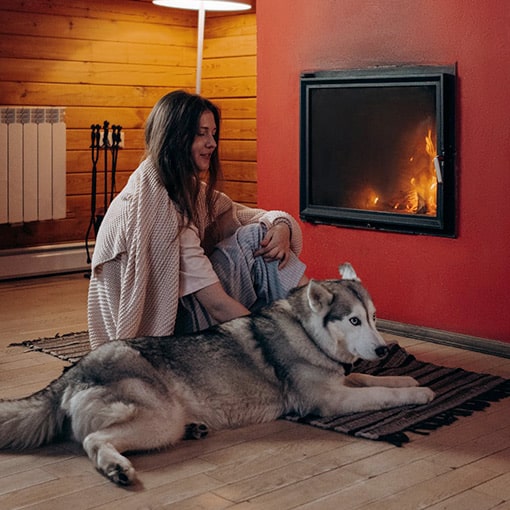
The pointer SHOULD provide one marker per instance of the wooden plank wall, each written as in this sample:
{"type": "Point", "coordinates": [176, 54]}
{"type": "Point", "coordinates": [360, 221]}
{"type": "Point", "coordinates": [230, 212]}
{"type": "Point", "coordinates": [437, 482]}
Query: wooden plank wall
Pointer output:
{"type": "Point", "coordinates": [112, 60]}
{"type": "Point", "coordinates": [229, 79]}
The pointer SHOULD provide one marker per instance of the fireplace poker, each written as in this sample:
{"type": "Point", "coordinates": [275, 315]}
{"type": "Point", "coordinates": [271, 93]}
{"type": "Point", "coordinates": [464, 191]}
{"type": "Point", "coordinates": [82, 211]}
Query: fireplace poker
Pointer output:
{"type": "Point", "coordinates": [95, 145]}
{"type": "Point", "coordinates": [116, 138]}
{"type": "Point", "coordinates": [105, 147]}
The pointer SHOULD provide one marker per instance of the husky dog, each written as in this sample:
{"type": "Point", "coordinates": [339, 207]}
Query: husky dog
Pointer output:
{"type": "Point", "coordinates": [291, 357]}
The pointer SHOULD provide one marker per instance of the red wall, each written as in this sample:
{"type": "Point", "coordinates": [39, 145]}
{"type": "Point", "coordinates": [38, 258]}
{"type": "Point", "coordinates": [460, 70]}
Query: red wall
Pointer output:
{"type": "Point", "coordinates": [458, 285]}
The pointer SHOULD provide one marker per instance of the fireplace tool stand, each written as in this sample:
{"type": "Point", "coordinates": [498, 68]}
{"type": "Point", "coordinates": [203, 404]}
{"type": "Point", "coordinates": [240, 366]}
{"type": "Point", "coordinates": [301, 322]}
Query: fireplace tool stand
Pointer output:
{"type": "Point", "coordinates": [106, 144]}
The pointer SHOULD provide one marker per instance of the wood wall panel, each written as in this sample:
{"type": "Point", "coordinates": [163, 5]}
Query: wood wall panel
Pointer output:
{"type": "Point", "coordinates": [114, 52]}
{"type": "Point", "coordinates": [232, 67]}
{"type": "Point", "coordinates": [83, 95]}
{"type": "Point", "coordinates": [128, 118]}
{"type": "Point", "coordinates": [112, 60]}
{"type": "Point", "coordinates": [122, 10]}
{"type": "Point", "coordinates": [229, 79]}
{"type": "Point", "coordinates": [96, 73]}
{"type": "Point", "coordinates": [237, 108]}
{"type": "Point", "coordinates": [89, 26]}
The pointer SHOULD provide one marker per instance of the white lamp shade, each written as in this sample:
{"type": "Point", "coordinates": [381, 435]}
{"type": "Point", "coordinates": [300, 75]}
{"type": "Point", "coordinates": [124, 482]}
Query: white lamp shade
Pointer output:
{"type": "Point", "coordinates": [207, 5]}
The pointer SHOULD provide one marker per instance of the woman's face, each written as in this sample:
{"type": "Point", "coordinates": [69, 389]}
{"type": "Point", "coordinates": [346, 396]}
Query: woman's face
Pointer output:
{"type": "Point", "coordinates": [204, 143]}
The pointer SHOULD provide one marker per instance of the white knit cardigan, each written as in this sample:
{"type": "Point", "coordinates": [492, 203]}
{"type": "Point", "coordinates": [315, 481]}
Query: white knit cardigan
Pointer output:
{"type": "Point", "coordinates": [134, 286]}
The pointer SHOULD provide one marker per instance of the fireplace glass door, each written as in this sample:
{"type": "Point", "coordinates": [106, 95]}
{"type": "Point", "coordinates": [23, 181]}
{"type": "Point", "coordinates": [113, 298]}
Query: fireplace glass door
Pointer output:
{"type": "Point", "coordinates": [377, 149]}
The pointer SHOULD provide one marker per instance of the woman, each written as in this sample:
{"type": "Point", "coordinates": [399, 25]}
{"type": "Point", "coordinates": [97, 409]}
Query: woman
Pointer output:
{"type": "Point", "coordinates": [173, 255]}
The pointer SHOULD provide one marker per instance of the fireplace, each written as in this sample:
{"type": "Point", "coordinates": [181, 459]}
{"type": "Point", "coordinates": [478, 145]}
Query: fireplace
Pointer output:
{"type": "Point", "coordinates": [377, 149]}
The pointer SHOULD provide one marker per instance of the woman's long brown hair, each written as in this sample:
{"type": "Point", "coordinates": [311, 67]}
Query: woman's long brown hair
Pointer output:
{"type": "Point", "coordinates": [169, 134]}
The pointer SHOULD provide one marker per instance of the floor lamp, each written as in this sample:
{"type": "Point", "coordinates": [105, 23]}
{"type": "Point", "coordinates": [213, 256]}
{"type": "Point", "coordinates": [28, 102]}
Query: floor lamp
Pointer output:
{"type": "Point", "coordinates": [202, 6]}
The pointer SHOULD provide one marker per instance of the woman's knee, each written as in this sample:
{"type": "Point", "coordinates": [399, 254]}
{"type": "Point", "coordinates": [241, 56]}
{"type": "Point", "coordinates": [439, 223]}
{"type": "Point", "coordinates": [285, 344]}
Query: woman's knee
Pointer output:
{"type": "Point", "coordinates": [250, 236]}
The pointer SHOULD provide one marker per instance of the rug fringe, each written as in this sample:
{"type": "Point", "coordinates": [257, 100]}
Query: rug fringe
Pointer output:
{"type": "Point", "coordinates": [396, 439]}
{"type": "Point", "coordinates": [446, 418]}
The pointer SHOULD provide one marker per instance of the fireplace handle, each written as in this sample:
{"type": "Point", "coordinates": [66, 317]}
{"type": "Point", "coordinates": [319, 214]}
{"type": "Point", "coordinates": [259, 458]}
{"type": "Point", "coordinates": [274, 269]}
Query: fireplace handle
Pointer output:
{"type": "Point", "coordinates": [437, 165]}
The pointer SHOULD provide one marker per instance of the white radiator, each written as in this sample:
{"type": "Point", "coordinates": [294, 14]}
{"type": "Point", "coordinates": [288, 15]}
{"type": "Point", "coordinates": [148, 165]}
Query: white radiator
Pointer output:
{"type": "Point", "coordinates": [32, 164]}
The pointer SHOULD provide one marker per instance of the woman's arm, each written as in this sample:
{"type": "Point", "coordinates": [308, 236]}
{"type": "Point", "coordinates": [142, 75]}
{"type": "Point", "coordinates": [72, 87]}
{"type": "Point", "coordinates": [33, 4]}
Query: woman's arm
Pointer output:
{"type": "Point", "coordinates": [219, 304]}
{"type": "Point", "coordinates": [231, 215]}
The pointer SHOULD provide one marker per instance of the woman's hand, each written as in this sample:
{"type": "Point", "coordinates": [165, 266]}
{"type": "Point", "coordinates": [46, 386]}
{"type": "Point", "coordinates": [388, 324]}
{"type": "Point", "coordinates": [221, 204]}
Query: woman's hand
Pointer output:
{"type": "Point", "coordinates": [276, 245]}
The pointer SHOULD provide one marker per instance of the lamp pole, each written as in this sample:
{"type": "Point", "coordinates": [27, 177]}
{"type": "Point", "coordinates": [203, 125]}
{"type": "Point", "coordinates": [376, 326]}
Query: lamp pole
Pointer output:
{"type": "Point", "coordinates": [200, 46]}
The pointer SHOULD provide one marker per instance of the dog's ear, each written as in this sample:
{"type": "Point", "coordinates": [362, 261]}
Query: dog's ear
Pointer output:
{"type": "Point", "coordinates": [347, 272]}
{"type": "Point", "coordinates": [319, 298]}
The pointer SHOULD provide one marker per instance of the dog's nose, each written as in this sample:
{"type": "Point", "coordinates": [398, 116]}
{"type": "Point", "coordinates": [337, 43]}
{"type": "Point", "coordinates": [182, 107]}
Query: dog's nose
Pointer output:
{"type": "Point", "coordinates": [382, 351]}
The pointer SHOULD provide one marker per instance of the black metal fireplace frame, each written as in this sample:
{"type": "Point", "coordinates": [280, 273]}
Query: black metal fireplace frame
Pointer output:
{"type": "Point", "coordinates": [443, 79]}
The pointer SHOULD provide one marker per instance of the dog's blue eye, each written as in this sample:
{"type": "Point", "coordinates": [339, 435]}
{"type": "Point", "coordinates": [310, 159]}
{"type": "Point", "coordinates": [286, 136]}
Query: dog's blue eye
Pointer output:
{"type": "Point", "coordinates": [355, 321]}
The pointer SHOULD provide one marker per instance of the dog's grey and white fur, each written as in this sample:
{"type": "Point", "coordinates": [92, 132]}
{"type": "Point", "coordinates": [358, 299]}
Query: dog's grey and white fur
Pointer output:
{"type": "Point", "coordinates": [141, 394]}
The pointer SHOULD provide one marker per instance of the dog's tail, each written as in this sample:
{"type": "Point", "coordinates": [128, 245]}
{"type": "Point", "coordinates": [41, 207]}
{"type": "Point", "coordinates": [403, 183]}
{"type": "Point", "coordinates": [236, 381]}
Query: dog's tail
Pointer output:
{"type": "Point", "coordinates": [32, 421]}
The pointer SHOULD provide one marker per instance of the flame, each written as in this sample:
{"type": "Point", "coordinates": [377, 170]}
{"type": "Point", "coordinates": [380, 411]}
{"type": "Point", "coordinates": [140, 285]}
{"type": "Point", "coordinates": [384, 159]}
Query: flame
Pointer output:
{"type": "Point", "coordinates": [418, 193]}
{"type": "Point", "coordinates": [430, 184]}
{"type": "Point", "coordinates": [371, 199]}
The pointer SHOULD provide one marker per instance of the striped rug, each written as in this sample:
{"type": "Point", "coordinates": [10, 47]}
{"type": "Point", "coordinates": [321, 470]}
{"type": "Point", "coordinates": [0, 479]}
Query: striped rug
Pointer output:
{"type": "Point", "coordinates": [69, 347]}
{"type": "Point", "coordinates": [459, 393]}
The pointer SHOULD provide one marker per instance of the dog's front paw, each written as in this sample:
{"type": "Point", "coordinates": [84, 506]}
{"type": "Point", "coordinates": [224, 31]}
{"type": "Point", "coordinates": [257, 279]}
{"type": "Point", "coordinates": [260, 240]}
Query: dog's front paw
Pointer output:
{"type": "Point", "coordinates": [408, 381]}
{"type": "Point", "coordinates": [424, 395]}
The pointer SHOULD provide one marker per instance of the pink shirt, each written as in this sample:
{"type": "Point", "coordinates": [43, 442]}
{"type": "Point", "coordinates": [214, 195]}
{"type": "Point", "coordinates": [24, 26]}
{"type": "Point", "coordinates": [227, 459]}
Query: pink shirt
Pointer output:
{"type": "Point", "coordinates": [196, 271]}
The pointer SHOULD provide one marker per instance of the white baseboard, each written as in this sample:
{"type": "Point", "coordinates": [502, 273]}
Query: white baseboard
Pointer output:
{"type": "Point", "coordinates": [43, 260]}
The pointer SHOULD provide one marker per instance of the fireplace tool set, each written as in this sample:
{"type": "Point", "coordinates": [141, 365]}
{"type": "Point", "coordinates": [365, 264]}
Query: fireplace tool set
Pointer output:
{"type": "Point", "coordinates": [102, 141]}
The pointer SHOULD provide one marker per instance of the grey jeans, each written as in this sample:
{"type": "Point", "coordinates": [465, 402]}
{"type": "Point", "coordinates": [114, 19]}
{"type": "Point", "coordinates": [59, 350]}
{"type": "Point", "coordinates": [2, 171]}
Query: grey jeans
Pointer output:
{"type": "Point", "coordinates": [250, 280]}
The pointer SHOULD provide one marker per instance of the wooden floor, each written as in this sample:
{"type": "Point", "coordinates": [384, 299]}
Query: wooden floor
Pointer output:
{"type": "Point", "coordinates": [278, 466]}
